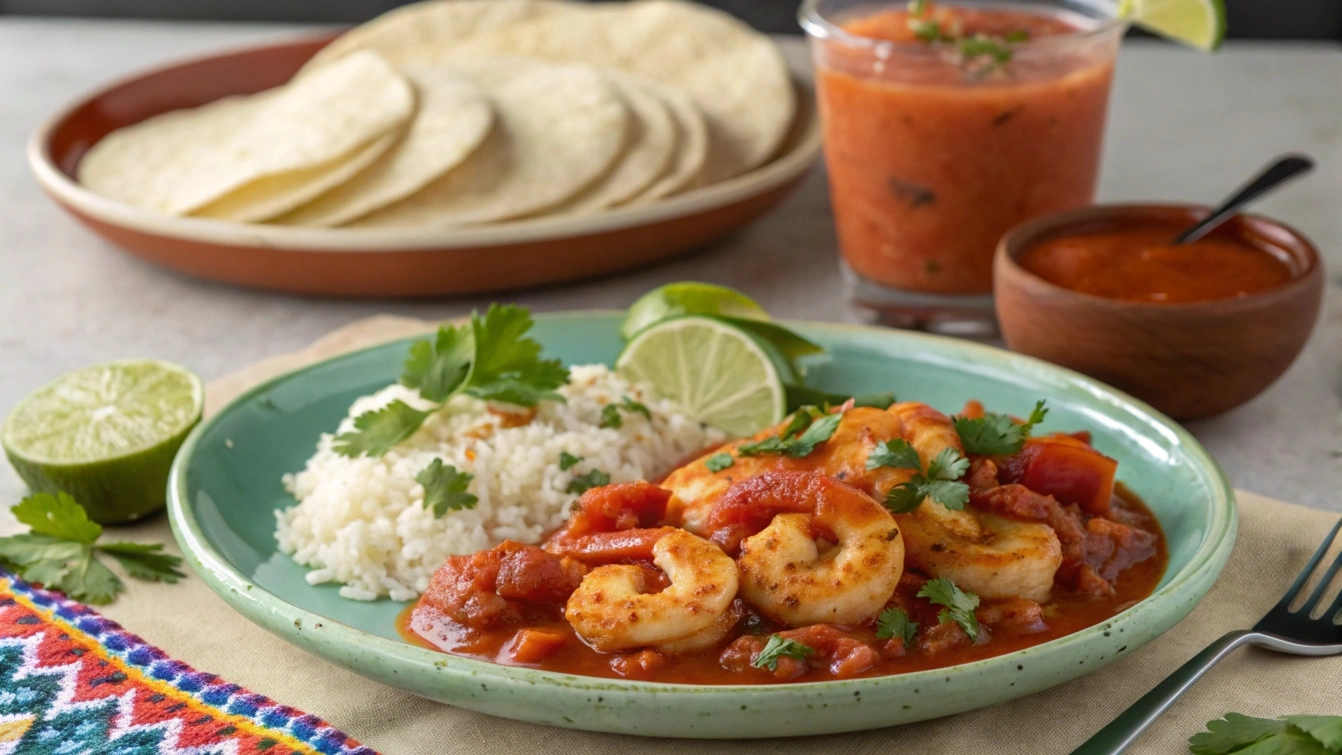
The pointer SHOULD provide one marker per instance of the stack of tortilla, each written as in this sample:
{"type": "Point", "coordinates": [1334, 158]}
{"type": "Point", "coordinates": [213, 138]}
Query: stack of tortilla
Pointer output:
{"type": "Point", "coordinates": [464, 112]}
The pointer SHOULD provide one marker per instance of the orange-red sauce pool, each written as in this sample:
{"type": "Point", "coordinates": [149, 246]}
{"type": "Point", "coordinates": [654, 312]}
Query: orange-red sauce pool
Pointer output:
{"type": "Point", "coordinates": [1138, 263]}
{"type": "Point", "coordinates": [1064, 614]}
{"type": "Point", "coordinates": [932, 157]}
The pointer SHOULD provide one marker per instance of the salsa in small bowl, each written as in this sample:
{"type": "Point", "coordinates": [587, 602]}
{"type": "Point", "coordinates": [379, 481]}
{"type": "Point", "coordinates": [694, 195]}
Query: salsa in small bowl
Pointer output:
{"type": "Point", "coordinates": [1194, 330]}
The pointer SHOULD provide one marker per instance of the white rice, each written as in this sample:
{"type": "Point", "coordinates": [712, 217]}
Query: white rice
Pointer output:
{"type": "Point", "coordinates": [361, 522]}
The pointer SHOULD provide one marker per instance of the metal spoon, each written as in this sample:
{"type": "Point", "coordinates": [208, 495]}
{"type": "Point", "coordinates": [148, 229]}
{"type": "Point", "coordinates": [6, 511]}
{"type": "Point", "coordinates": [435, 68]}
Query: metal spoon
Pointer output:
{"type": "Point", "coordinates": [1283, 169]}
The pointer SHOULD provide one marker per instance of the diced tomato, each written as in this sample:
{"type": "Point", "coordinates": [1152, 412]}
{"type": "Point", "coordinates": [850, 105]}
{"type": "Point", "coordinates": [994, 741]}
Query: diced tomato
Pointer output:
{"type": "Point", "coordinates": [1067, 469]}
{"type": "Point", "coordinates": [532, 646]}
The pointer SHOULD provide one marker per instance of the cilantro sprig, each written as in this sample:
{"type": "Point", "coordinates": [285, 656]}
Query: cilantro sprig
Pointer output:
{"type": "Point", "coordinates": [998, 434]}
{"type": "Point", "coordinates": [567, 460]}
{"type": "Point", "coordinates": [940, 482]}
{"type": "Point", "coordinates": [780, 647]}
{"type": "Point", "coordinates": [718, 462]}
{"type": "Point", "coordinates": [489, 358]}
{"type": "Point", "coordinates": [958, 605]}
{"type": "Point", "coordinates": [997, 50]}
{"type": "Point", "coordinates": [1285, 735]}
{"type": "Point", "coordinates": [895, 622]}
{"type": "Point", "coordinates": [808, 428]}
{"type": "Point", "coordinates": [445, 488]}
{"type": "Point", "coordinates": [801, 395]}
{"type": "Point", "coordinates": [61, 550]}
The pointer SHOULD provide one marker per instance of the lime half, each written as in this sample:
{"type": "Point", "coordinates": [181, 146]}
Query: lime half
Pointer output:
{"type": "Point", "coordinates": [106, 435]}
{"type": "Point", "coordinates": [1197, 23]}
{"type": "Point", "coordinates": [688, 298]}
{"type": "Point", "coordinates": [718, 373]}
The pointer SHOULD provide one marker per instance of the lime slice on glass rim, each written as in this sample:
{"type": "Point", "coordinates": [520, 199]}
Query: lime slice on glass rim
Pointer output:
{"type": "Point", "coordinates": [106, 435]}
{"type": "Point", "coordinates": [688, 298]}
{"type": "Point", "coordinates": [718, 373]}
{"type": "Point", "coordinates": [1197, 23]}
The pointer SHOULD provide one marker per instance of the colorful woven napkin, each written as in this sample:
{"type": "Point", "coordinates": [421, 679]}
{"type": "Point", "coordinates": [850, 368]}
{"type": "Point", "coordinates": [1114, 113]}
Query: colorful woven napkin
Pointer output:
{"type": "Point", "coordinates": [74, 682]}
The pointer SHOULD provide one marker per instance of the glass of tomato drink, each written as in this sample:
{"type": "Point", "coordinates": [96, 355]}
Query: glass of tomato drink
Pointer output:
{"type": "Point", "coordinates": [945, 124]}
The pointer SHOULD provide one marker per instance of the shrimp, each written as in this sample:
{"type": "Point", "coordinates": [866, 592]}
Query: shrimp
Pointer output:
{"type": "Point", "coordinates": [611, 611]}
{"type": "Point", "coordinates": [989, 555]}
{"type": "Point", "coordinates": [695, 489]}
{"type": "Point", "coordinates": [781, 519]}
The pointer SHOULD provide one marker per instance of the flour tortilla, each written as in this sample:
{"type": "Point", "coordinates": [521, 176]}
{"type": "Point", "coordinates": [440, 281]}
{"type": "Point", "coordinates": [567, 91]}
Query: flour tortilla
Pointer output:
{"type": "Point", "coordinates": [691, 148]}
{"type": "Point", "coordinates": [181, 161]}
{"type": "Point", "coordinates": [557, 130]}
{"type": "Point", "coordinates": [735, 75]}
{"type": "Point", "coordinates": [652, 143]}
{"type": "Point", "coordinates": [451, 122]}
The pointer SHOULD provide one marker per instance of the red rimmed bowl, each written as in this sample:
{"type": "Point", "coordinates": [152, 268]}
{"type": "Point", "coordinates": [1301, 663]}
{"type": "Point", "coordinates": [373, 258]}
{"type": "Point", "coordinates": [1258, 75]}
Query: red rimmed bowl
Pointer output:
{"type": "Point", "coordinates": [384, 262]}
{"type": "Point", "coordinates": [1189, 360]}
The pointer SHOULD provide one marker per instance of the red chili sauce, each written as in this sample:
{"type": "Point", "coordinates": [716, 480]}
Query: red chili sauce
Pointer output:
{"type": "Point", "coordinates": [1114, 555]}
{"type": "Point", "coordinates": [1138, 263]}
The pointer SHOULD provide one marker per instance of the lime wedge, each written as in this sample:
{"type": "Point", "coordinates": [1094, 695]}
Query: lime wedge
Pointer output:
{"type": "Point", "coordinates": [106, 435]}
{"type": "Point", "coordinates": [1197, 23]}
{"type": "Point", "coordinates": [688, 298]}
{"type": "Point", "coordinates": [720, 374]}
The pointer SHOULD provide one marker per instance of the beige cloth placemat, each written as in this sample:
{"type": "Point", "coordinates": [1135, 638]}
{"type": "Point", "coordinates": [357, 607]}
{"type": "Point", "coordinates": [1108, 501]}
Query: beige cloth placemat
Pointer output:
{"type": "Point", "coordinates": [1275, 539]}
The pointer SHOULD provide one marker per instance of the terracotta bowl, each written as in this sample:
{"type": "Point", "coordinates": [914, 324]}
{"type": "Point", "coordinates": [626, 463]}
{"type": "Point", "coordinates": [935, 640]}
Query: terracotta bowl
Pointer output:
{"type": "Point", "coordinates": [1187, 360]}
{"type": "Point", "coordinates": [391, 262]}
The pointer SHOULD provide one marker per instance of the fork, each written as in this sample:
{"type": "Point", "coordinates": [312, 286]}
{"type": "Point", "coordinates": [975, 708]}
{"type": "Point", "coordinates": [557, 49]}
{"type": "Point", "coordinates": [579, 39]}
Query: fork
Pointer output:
{"type": "Point", "coordinates": [1282, 630]}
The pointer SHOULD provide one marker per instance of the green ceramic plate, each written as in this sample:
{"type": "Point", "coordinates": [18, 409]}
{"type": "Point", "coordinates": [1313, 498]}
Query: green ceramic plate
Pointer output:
{"type": "Point", "coordinates": [225, 487]}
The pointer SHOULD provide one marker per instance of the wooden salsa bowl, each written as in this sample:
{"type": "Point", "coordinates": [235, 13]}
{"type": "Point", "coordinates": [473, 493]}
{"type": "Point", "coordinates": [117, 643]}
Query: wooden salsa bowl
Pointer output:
{"type": "Point", "coordinates": [1188, 360]}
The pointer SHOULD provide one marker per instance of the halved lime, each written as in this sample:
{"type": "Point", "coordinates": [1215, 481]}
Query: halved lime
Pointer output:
{"type": "Point", "coordinates": [688, 298]}
{"type": "Point", "coordinates": [718, 373]}
{"type": "Point", "coordinates": [106, 435]}
{"type": "Point", "coordinates": [1197, 23]}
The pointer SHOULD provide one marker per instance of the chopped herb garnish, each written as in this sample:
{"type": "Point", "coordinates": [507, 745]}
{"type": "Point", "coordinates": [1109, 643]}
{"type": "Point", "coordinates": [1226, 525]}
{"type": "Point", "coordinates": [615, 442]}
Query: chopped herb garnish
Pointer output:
{"type": "Point", "coordinates": [1019, 35]}
{"type": "Point", "coordinates": [60, 551]}
{"type": "Point", "coordinates": [610, 413]}
{"type": "Point", "coordinates": [808, 428]}
{"type": "Point", "coordinates": [488, 358]}
{"type": "Point", "coordinates": [980, 45]}
{"type": "Point", "coordinates": [593, 479]}
{"type": "Point", "coordinates": [780, 647]}
{"type": "Point", "coordinates": [567, 460]}
{"type": "Point", "coordinates": [958, 605]}
{"type": "Point", "coordinates": [445, 488]}
{"type": "Point", "coordinates": [997, 434]}
{"type": "Point", "coordinates": [894, 622]}
{"type": "Point", "coordinates": [929, 30]}
{"type": "Point", "coordinates": [719, 462]}
{"type": "Point", "coordinates": [940, 482]}
{"type": "Point", "coordinates": [896, 454]}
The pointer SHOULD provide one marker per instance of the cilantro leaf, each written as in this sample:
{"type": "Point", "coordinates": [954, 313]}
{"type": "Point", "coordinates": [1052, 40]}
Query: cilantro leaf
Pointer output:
{"type": "Point", "coordinates": [820, 431]}
{"type": "Point", "coordinates": [507, 365]}
{"type": "Point", "coordinates": [610, 417]}
{"type": "Point", "coordinates": [780, 647]}
{"type": "Point", "coordinates": [582, 483]}
{"type": "Point", "coordinates": [631, 405]}
{"type": "Point", "coordinates": [439, 367]}
{"type": "Point", "coordinates": [997, 434]}
{"type": "Point", "coordinates": [980, 45]}
{"type": "Point", "coordinates": [940, 482]}
{"type": "Point", "coordinates": [145, 561]}
{"type": "Point", "coordinates": [897, 454]}
{"type": "Point", "coordinates": [719, 462]}
{"type": "Point", "coordinates": [799, 421]}
{"type": "Point", "coordinates": [948, 465]}
{"type": "Point", "coordinates": [445, 488]}
{"type": "Point", "coordinates": [906, 496]}
{"type": "Point", "coordinates": [1326, 729]}
{"type": "Point", "coordinates": [952, 495]}
{"type": "Point", "coordinates": [378, 431]}
{"type": "Point", "coordinates": [60, 551]}
{"type": "Point", "coordinates": [770, 445]}
{"type": "Point", "coordinates": [895, 622]}
{"type": "Point", "coordinates": [567, 460]}
{"type": "Point", "coordinates": [58, 516]}
{"type": "Point", "coordinates": [958, 605]}
{"type": "Point", "coordinates": [1235, 732]}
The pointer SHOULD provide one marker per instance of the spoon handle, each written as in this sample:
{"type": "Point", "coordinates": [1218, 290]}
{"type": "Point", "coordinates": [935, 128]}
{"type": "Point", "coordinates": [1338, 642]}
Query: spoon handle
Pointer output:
{"type": "Point", "coordinates": [1285, 167]}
